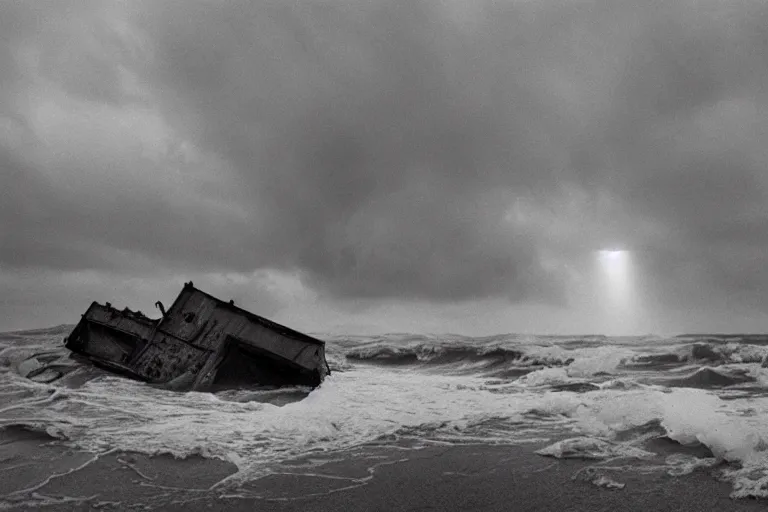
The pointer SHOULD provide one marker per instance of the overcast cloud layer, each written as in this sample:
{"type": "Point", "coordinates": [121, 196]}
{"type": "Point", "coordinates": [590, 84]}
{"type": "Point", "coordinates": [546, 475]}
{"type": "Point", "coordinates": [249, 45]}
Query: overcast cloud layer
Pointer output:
{"type": "Point", "coordinates": [340, 156]}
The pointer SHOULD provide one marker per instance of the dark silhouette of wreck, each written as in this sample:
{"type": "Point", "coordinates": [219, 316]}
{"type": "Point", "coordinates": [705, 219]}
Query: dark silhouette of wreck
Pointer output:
{"type": "Point", "coordinates": [200, 343]}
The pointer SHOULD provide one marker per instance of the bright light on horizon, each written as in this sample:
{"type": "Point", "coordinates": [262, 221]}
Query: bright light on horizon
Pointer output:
{"type": "Point", "coordinates": [616, 292]}
{"type": "Point", "coordinates": [612, 254]}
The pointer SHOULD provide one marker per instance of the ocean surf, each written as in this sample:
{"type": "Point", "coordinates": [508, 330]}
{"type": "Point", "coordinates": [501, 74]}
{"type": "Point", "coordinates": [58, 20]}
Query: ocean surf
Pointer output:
{"type": "Point", "coordinates": [607, 400]}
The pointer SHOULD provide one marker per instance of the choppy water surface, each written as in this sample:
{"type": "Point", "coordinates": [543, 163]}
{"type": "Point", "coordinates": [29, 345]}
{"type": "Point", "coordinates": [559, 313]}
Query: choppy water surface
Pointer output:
{"type": "Point", "coordinates": [607, 394]}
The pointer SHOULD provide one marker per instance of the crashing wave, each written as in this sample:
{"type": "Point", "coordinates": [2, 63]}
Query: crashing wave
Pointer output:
{"type": "Point", "coordinates": [709, 378]}
{"type": "Point", "coordinates": [724, 353]}
{"type": "Point", "coordinates": [433, 354]}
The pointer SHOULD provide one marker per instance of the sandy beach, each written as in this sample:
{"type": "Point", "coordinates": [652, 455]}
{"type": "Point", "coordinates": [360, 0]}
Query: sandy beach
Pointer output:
{"type": "Point", "coordinates": [373, 478]}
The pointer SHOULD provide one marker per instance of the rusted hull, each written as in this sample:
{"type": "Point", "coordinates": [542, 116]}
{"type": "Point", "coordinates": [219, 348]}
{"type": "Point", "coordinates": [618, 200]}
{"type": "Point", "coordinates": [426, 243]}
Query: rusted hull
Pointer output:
{"type": "Point", "coordinates": [201, 343]}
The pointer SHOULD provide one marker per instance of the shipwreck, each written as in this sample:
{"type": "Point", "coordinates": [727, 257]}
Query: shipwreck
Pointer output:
{"type": "Point", "coordinates": [200, 343]}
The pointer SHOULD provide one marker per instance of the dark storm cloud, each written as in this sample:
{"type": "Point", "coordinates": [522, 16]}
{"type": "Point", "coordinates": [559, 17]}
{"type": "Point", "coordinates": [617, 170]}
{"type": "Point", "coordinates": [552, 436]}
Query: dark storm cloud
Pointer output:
{"type": "Point", "coordinates": [440, 150]}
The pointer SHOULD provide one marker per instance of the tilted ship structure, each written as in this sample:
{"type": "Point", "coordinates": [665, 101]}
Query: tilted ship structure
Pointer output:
{"type": "Point", "coordinates": [201, 343]}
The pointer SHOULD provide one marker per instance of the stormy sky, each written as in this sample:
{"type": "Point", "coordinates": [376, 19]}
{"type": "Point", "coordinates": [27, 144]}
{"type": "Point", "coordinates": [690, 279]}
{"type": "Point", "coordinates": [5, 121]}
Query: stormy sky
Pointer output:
{"type": "Point", "coordinates": [388, 165]}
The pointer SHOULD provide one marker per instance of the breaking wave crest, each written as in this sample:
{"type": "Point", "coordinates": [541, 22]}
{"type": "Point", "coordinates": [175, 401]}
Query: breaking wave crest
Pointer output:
{"type": "Point", "coordinates": [440, 355]}
{"type": "Point", "coordinates": [550, 351]}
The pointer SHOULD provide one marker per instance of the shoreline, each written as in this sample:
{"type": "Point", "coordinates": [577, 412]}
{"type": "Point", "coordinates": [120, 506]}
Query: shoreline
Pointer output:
{"type": "Point", "coordinates": [370, 477]}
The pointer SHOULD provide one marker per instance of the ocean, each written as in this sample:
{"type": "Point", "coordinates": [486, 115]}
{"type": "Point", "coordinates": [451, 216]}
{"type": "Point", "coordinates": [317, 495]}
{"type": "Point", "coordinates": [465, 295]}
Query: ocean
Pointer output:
{"type": "Point", "coordinates": [589, 397]}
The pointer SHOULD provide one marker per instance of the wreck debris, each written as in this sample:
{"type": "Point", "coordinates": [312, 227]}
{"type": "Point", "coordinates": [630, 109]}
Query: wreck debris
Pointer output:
{"type": "Point", "coordinates": [200, 343]}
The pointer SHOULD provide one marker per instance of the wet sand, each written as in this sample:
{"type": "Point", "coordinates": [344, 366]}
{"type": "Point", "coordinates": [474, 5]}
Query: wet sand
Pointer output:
{"type": "Point", "coordinates": [504, 478]}
{"type": "Point", "coordinates": [372, 478]}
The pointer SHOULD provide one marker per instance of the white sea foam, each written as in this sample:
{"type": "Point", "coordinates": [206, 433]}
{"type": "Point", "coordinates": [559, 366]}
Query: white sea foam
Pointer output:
{"type": "Point", "coordinates": [680, 464]}
{"type": "Point", "coordinates": [598, 360]}
{"type": "Point", "coordinates": [348, 409]}
{"type": "Point", "coordinates": [592, 448]}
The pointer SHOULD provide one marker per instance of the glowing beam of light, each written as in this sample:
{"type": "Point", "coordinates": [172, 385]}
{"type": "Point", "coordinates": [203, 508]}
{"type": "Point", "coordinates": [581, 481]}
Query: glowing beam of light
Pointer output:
{"type": "Point", "coordinates": [617, 293]}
